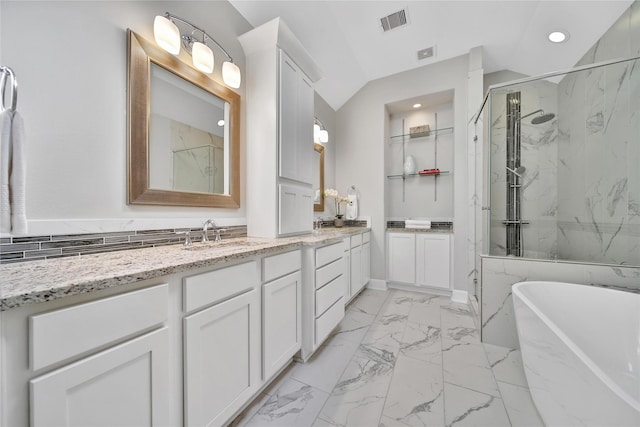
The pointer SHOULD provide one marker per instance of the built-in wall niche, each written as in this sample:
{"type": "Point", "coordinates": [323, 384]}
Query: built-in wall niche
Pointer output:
{"type": "Point", "coordinates": [419, 157]}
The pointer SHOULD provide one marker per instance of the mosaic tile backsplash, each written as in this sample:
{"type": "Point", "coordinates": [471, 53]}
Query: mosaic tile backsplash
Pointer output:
{"type": "Point", "coordinates": [20, 249]}
{"type": "Point", "coordinates": [435, 225]}
{"type": "Point", "coordinates": [32, 248]}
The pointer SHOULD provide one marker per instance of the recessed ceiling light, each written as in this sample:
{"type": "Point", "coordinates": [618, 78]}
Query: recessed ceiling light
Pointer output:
{"type": "Point", "coordinates": [417, 105]}
{"type": "Point", "coordinates": [220, 122]}
{"type": "Point", "coordinates": [557, 36]}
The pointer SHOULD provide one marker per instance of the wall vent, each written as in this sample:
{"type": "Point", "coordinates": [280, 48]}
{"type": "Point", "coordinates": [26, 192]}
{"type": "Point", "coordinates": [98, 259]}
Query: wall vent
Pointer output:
{"type": "Point", "coordinates": [426, 53]}
{"type": "Point", "coordinates": [394, 20]}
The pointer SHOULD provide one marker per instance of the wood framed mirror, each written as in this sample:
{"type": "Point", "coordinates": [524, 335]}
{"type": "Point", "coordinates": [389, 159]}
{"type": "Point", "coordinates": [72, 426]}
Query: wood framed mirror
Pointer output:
{"type": "Point", "coordinates": [318, 177]}
{"type": "Point", "coordinates": [183, 132]}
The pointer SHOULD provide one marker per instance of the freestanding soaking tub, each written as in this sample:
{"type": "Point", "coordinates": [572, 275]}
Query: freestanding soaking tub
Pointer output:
{"type": "Point", "coordinates": [581, 352]}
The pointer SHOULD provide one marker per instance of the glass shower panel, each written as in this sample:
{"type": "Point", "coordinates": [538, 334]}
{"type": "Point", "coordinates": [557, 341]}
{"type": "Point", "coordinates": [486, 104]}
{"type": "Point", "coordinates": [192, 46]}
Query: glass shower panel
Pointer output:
{"type": "Point", "coordinates": [564, 160]}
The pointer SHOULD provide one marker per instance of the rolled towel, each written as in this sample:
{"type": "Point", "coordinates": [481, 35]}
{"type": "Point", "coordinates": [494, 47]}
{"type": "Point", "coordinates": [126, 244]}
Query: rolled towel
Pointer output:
{"type": "Point", "coordinates": [415, 223]}
{"type": "Point", "coordinates": [18, 176]}
{"type": "Point", "coordinates": [5, 162]}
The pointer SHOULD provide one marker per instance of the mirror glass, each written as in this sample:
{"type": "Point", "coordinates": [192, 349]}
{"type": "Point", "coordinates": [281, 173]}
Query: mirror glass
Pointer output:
{"type": "Point", "coordinates": [183, 130]}
{"type": "Point", "coordinates": [189, 148]}
{"type": "Point", "coordinates": [318, 177]}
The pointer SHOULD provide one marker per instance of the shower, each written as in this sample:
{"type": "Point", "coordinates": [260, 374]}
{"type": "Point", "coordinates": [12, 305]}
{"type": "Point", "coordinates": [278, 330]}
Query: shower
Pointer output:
{"type": "Point", "coordinates": [514, 221]}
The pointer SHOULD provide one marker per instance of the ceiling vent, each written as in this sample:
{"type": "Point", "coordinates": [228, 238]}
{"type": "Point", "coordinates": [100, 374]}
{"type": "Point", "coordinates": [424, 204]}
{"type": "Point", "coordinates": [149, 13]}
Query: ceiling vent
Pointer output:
{"type": "Point", "coordinates": [394, 20]}
{"type": "Point", "coordinates": [426, 53]}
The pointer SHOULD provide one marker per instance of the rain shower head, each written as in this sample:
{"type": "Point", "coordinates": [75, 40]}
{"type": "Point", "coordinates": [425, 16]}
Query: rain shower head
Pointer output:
{"type": "Point", "coordinates": [542, 118]}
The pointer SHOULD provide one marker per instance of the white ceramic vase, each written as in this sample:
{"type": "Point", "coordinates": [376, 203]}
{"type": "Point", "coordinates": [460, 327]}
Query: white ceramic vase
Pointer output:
{"type": "Point", "coordinates": [409, 165]}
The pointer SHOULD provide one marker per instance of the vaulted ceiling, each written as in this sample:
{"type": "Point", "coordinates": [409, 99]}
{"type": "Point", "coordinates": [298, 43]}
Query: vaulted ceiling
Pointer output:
{"type": "Point", "coordinates": [347, 41]}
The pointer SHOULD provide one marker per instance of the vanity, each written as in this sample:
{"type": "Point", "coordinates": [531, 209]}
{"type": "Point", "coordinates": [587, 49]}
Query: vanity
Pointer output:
{"type": "Point", "coordinates": [170, 335]}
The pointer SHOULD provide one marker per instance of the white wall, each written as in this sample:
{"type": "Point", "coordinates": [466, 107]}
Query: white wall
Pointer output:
{"type": "Point", "coordinates": [70, 59]}
{"type": "Point", "coordinates": [361, 126]}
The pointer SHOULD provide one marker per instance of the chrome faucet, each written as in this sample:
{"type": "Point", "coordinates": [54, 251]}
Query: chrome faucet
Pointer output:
{"type": "Point", "coordinates": [205, 237]}
{"type": "Point", "coordinates": [318, 223]}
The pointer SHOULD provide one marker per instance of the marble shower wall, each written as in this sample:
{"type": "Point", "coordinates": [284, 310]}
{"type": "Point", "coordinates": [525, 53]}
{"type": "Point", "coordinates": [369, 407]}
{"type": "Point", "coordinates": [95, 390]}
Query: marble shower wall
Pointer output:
{"type": "Point", "coordinates": [539, 154]}
{"type": "Point", "coordinates": [599, 154]}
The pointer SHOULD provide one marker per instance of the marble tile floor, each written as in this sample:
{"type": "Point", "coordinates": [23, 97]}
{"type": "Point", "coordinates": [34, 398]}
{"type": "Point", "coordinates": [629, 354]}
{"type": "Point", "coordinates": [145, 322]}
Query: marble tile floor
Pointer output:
{"type": "Point", "coordinates": [400, 358]}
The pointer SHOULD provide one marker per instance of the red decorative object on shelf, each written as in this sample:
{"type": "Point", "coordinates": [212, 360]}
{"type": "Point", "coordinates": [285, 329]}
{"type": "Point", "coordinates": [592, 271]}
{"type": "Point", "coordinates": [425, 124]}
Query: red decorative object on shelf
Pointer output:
{"type": "Point", "coordinates": [429, 172]}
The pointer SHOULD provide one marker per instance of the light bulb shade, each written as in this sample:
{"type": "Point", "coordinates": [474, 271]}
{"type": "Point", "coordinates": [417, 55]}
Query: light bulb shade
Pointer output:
{"type": "Point", "coordinates": [316, 133]}
{"type": "Point", "coordinates": [231, 74]}
{"type": "Point", "coordinates": [166, 34]}
{"type": "Point", "coordinates": [202, 57]}
{"type": "Point", "coordinates": [324, 136]}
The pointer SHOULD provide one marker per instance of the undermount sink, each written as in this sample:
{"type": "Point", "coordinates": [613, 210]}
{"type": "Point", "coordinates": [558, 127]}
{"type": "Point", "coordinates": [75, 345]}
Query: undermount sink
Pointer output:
{"type": "Point", "coordinates": [226, 245]}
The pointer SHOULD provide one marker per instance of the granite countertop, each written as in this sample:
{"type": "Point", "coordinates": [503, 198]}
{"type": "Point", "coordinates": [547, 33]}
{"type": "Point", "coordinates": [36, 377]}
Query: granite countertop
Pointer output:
{"type": "Point", "coordinates": [40, 281]}
{"type": "Point", "coordinates": [420, 230]}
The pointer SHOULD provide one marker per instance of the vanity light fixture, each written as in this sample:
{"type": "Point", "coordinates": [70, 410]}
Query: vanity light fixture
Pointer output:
{"type": "Point", "coordinates": [169, 37]}
{"type": "Point", "coordinates": [320, 134]}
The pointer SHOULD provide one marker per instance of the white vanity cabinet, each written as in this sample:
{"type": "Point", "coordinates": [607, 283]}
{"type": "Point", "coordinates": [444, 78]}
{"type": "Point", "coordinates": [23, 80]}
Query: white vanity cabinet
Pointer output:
{"type": "Point", "coordinates": [281, 310]}
{"type": "Point", "coordinates": [401, 257]}
{"type": "Point", "coordinates": [295, 121]}
{"type": "Point", "coordinates": [221, 343]}
{"type": "Point", "coordinates": [433, 260]}
{"type": "Point", "coordinates": [325, 277]}
{"type": "Point", "coordinates": [280, 110]}
{"type": "Point", "coordinates": [359, 262]}
{"type": "Point", "coordinates": [419, 259]}
{"type": "Point", "coordinates": [126, 382]}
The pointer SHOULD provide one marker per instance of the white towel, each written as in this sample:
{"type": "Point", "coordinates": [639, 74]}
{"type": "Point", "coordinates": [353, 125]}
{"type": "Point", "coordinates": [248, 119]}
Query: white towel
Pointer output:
{"type": "Point", "coordinates": [17, 181]}
{"type": "Point", "coordinates": [417, 223]}
{"type": "Point", "coordinates": [5, 162]}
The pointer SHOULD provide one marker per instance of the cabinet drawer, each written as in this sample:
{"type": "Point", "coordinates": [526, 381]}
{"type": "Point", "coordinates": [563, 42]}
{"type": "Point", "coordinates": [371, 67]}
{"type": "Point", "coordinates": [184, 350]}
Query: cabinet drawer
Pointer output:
{"type": "Point", "coordinates": [356, 240]}
{"type": "Point", "coordinates": [68, 332]}
{"type": "Point", "coordinates": [329, 320]}
{"type": "Point", "coordinates": [214, 286]}
{"type": "Point", "coordinates": [326, 254]}
{"type": "Point", "coordinates": [329, 272]}
{"type": "Point", "coordinates": [331, 293]}
{"type": "Point", "coordinates": [280, 265]}
{"type": "Point", "coordinates": [366, 237]}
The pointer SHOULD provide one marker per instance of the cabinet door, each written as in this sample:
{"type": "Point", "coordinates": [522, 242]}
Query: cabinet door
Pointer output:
{"type": "Point", "coordinates": [401, 257]}
{"type": "Point", "coordinates": [356, 269]}
{"type": "Point", "coordinates": [296, 209]}
{"type": "Point", "coordinates": [366, 263]}
{"type": "Point", "coordinates": [126, 385]}
{"type": "Point", "coordinates": [305, 129]}
{"type": "Point", "coordinates": [281, 322]}
{"type": "Point", "coordinates": [295, 122]}
{"type": "Point", "coordinates": [288, 118]}
{"type": "Point", "coordinates": [221, 359]}
{"type": "Point", "coordinates": [433, 263]}
{"type": "Point", "coordinates": [347, 274]}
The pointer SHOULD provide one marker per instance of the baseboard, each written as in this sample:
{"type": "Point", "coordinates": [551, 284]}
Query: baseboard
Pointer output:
{"type": "Point", "coordinates": [377, 285]}
{"type": "Point", "coordinates": [460, 296]}
{"type": "Point", "coordinates": [419, 289]}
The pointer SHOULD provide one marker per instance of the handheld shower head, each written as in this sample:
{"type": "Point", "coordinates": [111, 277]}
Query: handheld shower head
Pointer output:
{"type": "Point", "coordinates": [517, 171]}
{"type": "Point", "coordinates": [542, 118]}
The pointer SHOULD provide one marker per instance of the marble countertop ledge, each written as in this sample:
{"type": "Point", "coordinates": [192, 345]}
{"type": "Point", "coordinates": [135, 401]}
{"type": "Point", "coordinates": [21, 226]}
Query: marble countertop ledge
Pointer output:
{"type": "Point", "coordinates": [40, 281]}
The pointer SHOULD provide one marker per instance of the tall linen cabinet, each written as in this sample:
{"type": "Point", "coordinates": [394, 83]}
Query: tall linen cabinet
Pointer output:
{"type": "Point", "coordinates": [279, 121]}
